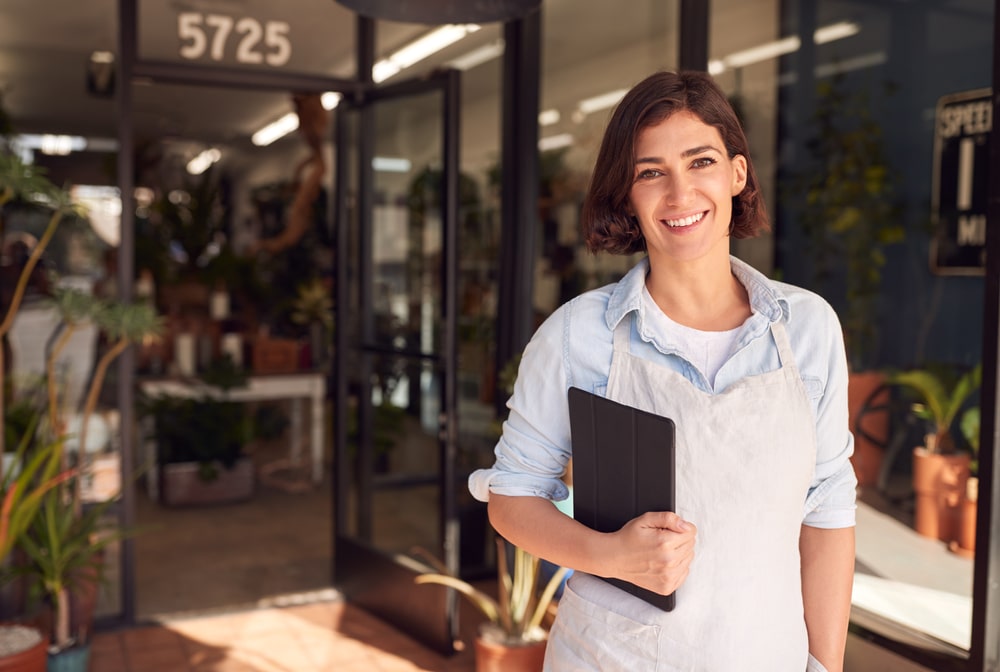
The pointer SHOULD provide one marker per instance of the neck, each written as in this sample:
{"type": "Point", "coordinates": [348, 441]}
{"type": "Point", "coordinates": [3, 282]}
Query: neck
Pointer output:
{"type": "Point", "coordinates": [702, 295]}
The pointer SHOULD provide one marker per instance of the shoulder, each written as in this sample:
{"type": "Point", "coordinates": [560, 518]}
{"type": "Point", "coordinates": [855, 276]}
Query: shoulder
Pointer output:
{"type": "Point", "coordinates": [806, 309]}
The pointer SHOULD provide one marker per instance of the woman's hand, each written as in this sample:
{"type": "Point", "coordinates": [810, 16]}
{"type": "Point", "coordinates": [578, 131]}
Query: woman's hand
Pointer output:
{"type": "Point", "coordinates": [654, 551]}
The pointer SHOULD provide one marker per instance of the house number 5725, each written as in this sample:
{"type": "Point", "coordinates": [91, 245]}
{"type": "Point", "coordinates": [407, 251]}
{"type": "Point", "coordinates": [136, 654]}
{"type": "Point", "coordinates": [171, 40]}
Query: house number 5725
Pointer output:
{"type": "Point", "coordinates": [255, 42]}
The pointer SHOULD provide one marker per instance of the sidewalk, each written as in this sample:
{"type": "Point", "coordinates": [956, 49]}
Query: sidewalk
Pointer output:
{"type": "Point", "coordinates": [313, 637]}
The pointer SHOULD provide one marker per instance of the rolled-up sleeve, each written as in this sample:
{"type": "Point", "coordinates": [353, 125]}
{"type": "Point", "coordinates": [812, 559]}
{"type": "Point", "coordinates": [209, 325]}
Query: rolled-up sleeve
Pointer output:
{"type": "Point", "coordinates": [534, 449]}
{"type": "Point", "coordinates": [832, 498]}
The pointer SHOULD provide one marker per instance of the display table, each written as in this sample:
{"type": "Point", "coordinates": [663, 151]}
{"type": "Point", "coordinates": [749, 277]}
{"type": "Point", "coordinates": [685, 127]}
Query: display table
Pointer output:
{"type": "Point", "coordinates": [295, 386]}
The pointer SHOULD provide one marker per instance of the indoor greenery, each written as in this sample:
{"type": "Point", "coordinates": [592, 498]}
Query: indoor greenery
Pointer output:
{"type": "Point", "coordinates": [515, 617]}
{"type": "Point", "coordinates": [42, 512]}
{"type": "Point", "coordinates": [851, 212]}
{"type": "Point", "coordinates": [942, 396]}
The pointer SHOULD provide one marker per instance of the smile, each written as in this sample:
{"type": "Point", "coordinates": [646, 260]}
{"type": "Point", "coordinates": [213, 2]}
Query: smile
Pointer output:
{"type": "Point", "coordinates": [686, 221]}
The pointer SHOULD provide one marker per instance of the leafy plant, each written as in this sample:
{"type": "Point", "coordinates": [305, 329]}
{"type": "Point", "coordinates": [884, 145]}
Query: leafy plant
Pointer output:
{"type": "Point", "coordinates": [851, 211]}
{"type": "Point", "coordinates": [207, 431]}
{"type": "Point", "coordinates": [515, 617]}
{"type": "Point", "coordinates": [942, 394]}
{"type": "Point", "coordinates": [65, 551]}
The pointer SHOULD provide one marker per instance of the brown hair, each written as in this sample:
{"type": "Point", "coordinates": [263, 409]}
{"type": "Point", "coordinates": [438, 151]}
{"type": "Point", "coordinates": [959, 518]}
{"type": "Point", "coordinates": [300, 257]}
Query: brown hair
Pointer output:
{"type": "Point", "coordinates": [607, 224]}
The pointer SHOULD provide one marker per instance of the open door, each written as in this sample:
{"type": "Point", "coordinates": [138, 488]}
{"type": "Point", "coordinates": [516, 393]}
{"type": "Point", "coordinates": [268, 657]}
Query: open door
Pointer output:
{"type": "Point", "coordinates": [395, 377]}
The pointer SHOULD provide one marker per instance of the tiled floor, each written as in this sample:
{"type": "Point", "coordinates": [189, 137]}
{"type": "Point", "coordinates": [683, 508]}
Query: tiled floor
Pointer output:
{"type": "Point", "coordinates": [320, 636]}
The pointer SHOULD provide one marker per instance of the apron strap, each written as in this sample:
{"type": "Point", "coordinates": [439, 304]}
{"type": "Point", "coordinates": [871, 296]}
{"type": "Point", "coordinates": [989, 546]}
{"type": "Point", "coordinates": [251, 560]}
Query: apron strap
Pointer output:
{"type": "Point", "coordinates": [785, 354]}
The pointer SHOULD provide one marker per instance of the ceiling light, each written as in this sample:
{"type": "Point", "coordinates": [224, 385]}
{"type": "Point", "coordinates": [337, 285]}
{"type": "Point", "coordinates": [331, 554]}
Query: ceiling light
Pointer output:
{"type": "Point", "coordinates": [478, 56]}
{"type": "Point", "coordinates": [555, 142]}
{"type": "Point", "coordinates": [61, 145]}
{"type": "Point", "coordinates": [388, 164]}
{"type": "Point", "coordinates": [420, 49]}
{"type": "Point", "coordinates": [276, 129]}
{"type": "Point", "coordinates": [203, 161]}
{"type": "Point", "coordinates": [330, 100]}
{"type": "Point", "coordinates": [836, 31]}
{"type": "Point", "coordinates": [787, 45]}
{"type": "Point", "coordinates": [548, 117]}
{"type": "Point", "coordinates": [601, 102]}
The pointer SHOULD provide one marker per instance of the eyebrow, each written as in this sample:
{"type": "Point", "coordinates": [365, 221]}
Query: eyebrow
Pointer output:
{"type": "Point", "coordinates": [694, 151]}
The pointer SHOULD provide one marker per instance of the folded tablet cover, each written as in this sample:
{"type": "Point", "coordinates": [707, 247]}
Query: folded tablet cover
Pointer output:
{"type": "Point", "coordinates": [623, 466]}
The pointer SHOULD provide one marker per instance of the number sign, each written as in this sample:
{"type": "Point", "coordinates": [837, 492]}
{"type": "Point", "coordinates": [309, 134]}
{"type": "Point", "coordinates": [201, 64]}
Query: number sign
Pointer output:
{"type": "Point", "coordinates": [961, 167]}
{"type": "Point", "coordinates": [220, 38]}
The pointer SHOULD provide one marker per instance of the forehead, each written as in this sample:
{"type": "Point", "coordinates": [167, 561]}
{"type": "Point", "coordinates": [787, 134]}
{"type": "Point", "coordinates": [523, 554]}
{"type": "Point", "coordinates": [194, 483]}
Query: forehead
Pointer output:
{"type": "Point", "coordinates": [677, 132]}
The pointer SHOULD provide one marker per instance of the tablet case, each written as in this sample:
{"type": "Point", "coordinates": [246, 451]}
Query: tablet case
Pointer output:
{"type": "Point", "coordinates": [623, 466]}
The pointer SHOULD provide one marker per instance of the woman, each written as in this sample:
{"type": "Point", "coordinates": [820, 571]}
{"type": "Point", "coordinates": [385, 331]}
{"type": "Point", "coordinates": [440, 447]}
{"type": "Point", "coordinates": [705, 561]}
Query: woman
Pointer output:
{"type": "Point", "coordinates": [761, 549]}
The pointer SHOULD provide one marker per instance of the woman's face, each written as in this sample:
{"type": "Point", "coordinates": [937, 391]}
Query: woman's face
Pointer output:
{"type": "Point", "coordinates": [682, 188]}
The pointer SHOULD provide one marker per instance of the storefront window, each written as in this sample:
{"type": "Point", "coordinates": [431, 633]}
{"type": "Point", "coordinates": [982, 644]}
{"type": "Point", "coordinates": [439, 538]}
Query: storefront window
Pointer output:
{"type": "Point", "coordinates": [880, 221]}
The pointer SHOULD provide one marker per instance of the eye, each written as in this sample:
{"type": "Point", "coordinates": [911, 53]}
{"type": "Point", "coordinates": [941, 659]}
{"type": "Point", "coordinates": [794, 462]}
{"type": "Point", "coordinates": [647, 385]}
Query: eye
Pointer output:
{"type": "Point", "coordinates": [647, 174]}
{"type": "Point", "coordinates": [703, 162]}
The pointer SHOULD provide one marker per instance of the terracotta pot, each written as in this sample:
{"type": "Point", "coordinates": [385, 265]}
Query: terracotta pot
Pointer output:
{"type": "Point", "coordinates": [495, 657]}
{"type": "Point", "coordinates": [967, 529]}
{"type": "Point", "coordinates": [32, 659]}
{"type": "Point", "coordinates": [868, 453]}
{"type": "Point", "coordinates": [939, 482]}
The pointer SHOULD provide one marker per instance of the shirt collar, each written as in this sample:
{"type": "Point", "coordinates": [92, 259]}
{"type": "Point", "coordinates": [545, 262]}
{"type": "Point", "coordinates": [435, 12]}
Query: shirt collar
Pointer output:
{"type": "Point", "coordinates": [766, 297]}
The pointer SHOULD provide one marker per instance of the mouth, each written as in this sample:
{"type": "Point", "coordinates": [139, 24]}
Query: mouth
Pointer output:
{"type": "Point", "coordinates": [684, 221]}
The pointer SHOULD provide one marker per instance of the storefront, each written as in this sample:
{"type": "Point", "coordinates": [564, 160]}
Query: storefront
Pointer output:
{"type": "Point", "coordinates": [443, 225]}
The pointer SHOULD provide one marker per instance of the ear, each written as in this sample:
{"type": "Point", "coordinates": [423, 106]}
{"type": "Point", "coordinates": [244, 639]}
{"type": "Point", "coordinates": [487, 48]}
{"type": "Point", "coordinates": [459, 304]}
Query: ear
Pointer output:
{"type": "Point", "coordinates": [739, 174]}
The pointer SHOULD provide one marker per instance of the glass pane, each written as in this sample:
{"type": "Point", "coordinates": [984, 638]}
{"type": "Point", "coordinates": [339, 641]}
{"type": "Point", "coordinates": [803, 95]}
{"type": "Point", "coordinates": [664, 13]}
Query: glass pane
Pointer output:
{"type": "Point", "coordinates": [406, 500]}
{"type": "Point", "coordinates": [406, 224]}
{"type": "Point", "coordinates": [233, 246]}
{"type": "Point", "coordinates": [858, 213]}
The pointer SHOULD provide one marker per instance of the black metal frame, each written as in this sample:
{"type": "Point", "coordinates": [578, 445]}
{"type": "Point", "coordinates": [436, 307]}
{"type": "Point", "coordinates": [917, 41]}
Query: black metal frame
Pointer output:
{"type": "Point", "coordinates": [366, 575]}
{"type": "Point", "coordinates": [129, 67]}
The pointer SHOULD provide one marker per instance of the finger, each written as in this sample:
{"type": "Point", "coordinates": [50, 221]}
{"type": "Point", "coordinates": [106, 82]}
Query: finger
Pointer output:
{"type": "Point", "coordinates": [667, 520]}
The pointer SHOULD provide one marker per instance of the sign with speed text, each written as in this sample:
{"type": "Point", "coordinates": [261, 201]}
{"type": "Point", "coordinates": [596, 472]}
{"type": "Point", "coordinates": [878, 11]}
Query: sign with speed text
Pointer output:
{"type": "Point", "coordinates": [959, 199]}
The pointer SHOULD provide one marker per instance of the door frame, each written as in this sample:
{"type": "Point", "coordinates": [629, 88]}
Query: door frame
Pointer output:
{"type": "Point", "coordinates": [372, 579]}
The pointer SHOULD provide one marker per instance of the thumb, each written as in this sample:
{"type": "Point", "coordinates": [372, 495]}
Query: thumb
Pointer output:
{"type": "Point", "coordinates": [667, 520]}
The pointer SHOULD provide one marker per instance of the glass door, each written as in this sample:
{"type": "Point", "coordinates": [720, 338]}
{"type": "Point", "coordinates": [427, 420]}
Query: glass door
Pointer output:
{"type": "Point", "coordinates": [397, 173]}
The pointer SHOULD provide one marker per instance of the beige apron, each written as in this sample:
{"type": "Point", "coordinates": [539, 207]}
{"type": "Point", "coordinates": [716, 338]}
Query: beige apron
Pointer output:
{"type": "Point", "coordinates": [745, 459]}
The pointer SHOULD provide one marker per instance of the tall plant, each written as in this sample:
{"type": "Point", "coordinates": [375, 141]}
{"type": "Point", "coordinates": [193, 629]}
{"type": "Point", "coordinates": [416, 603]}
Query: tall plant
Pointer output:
{"type": "Point", "coordinates": [851, 212]}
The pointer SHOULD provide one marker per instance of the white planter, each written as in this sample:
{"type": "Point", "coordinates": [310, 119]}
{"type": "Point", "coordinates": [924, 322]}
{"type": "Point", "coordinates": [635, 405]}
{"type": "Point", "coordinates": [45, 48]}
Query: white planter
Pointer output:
{"type": "Point", "coordinates": [181, 484]}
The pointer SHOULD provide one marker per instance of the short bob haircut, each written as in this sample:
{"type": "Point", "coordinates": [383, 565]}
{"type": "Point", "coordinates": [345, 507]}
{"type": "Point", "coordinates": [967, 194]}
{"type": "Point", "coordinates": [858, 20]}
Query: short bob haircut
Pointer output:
{"type": "Point", "coordinates": [607, 224]}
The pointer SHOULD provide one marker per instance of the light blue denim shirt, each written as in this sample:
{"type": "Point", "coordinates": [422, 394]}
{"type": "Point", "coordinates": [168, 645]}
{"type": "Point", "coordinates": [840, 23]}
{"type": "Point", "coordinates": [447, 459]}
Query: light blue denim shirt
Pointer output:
{"type": "Point", "coordinates": [573, 347]}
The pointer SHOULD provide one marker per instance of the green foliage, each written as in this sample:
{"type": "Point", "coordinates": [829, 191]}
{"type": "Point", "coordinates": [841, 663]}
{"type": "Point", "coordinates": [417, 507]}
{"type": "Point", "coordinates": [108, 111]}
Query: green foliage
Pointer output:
{"type": "Point", "coordinates": [64, 549]}
{"type": "Point", "coordinates": [202, 430]}
{"type": "Point", "coordinates": [522, 602]}
{"type": "Point", "coordinates": [942, 393]}
{"type": "Point", "coordinates": [851, 212]}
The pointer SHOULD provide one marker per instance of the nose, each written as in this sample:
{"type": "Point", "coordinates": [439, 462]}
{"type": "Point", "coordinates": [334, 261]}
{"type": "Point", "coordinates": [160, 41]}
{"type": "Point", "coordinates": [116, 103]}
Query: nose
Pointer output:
{"type": "Point", "coordinates": [676, 189]}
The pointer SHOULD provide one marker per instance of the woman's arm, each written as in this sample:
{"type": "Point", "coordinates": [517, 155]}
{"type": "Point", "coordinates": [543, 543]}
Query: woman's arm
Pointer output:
{"type": "Point", "coordinates": [827, 580]}
{"type": "Point", "coordinates": [653, 551]}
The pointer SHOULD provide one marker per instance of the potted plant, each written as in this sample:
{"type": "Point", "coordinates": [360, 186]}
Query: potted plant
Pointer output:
{"type": "Point", "coordinates": [39, 475]}
{"type": "Point", "coordinates": [941, 466]}
{"type": "Point", "coordinates": [848, 217]}
{"type": "Point", "coordinates": [512, 639]}
{"type": "Point", "coordinates": [966, 542]}
{"type": "Point", "coordinates": [65, 552]}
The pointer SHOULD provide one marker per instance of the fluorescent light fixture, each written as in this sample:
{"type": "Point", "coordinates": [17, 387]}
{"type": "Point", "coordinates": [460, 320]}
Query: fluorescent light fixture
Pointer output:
{"type": "Point", "coordinates": [102, 57]}
{"type": "Point", "coordinates": [412, 53]}
{"type": "Point", "coordinates": [330, 100]}
{"type": "Point", "coordinates": [836, 31]}
{"type": "Point", "coordinates": [787, 45]}
{"type": "Point", "coordinates": [387, 164]}
{"type": "Point", "coordinates": [555, 142]}
{"type": "Point", "coordinates": [478, 56]}
{"type": "Point", "coordinates": [601, 102]}
{"type": "Point", "coordinates": [419, 49]}
{"type": "Point", "coordinates": [548, 117]}
{"type": "Point", "coordinates": [56, 145]}
{"type": "Point", "coordinates": [203, 161]}
{"type": "Point", "coordinates": [276, 129]}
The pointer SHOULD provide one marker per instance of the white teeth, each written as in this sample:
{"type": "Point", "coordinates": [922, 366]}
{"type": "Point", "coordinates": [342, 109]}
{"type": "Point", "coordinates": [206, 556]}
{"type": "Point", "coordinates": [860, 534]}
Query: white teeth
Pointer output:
{"type": "Point", "coordinates": [687, 221]}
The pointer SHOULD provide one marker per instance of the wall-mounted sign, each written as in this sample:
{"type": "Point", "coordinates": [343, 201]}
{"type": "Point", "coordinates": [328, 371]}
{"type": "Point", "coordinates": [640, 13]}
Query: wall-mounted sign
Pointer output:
{"type": "Point", "coordinates": [223, 38]}
{"type": "Point", "coordinates": [961, 169]}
